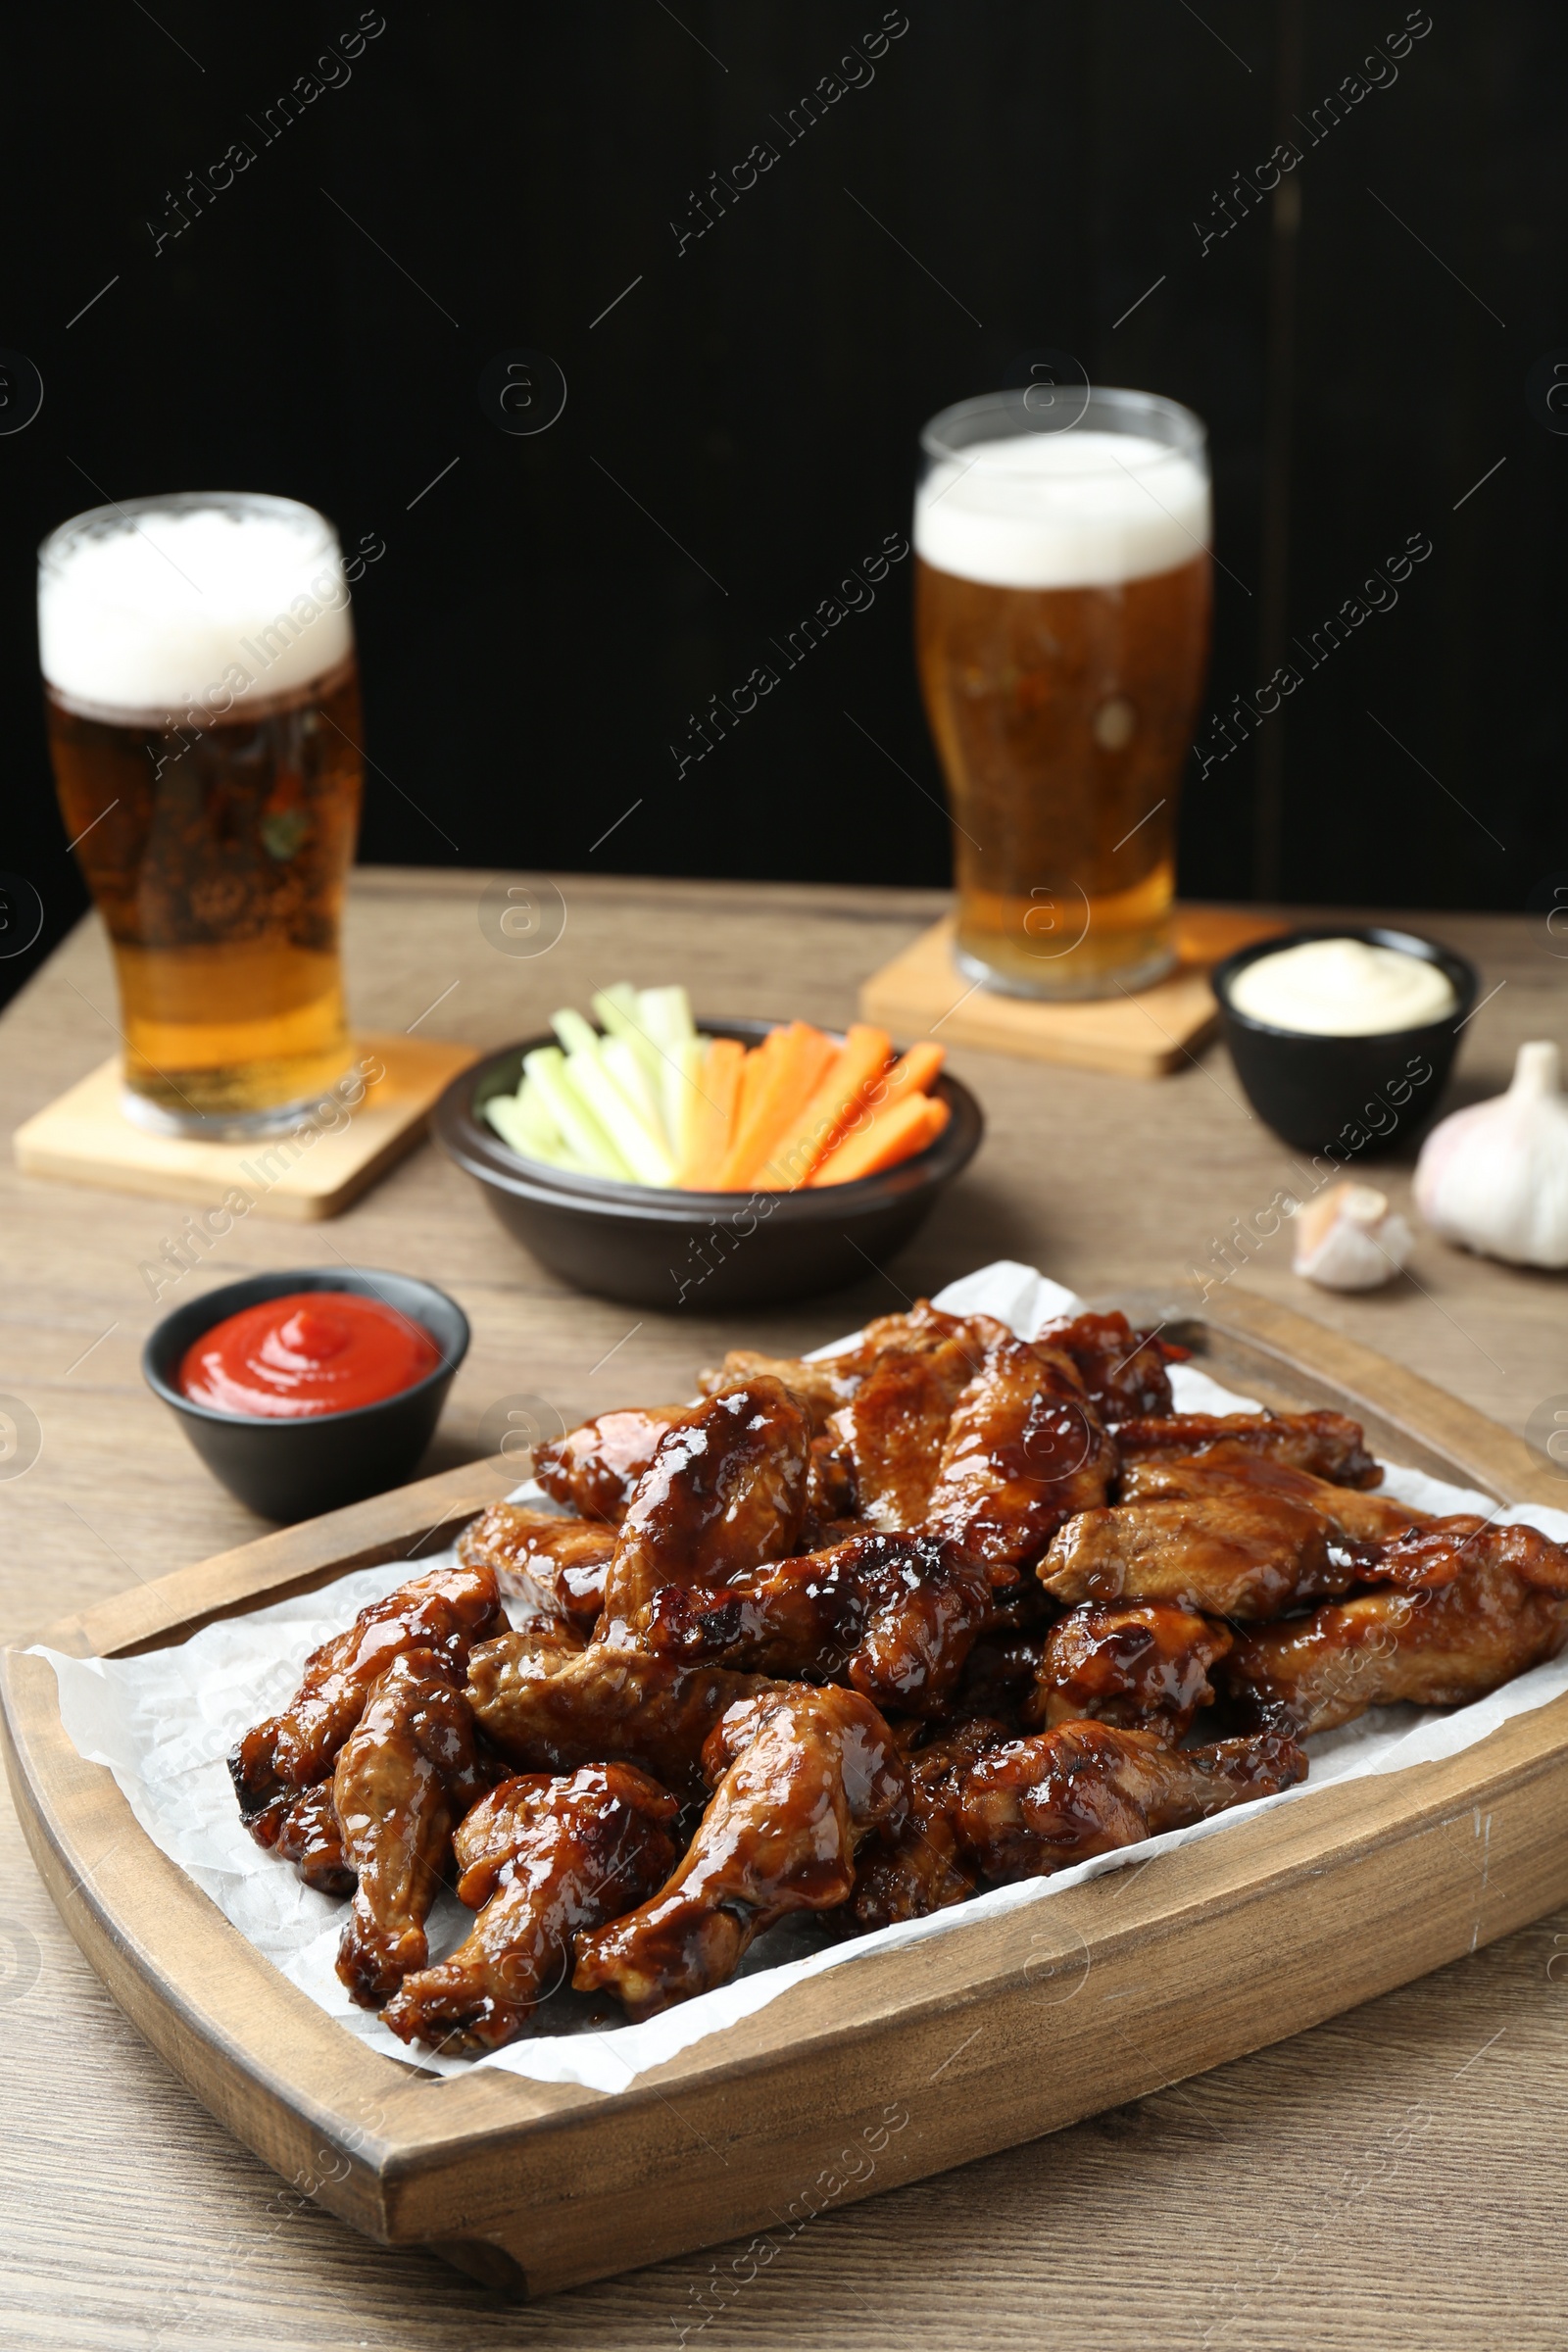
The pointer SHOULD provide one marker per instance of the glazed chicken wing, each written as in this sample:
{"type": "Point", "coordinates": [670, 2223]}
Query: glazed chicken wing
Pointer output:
{"type": "Point", "coordinates": [1467, 1605]}
{"type": "Point", "coordinates": [895, 1615]}
{"type": "Point", "coordinates": [311, 1836]}
{"type": "Point", "coordinates": [545, 1858]}
{"type": "Point", "coordinates": [1041, 1804]}
{"type": "Point", "coordinates": [1143, 1667]}
{"type": "Point", "coordinates": [1348, 1513]}
{"type": "Point", "coordinates": [889, 1434]}
{"type": "Point", "coordinates": [405, 1776]}
{"type": "Point", "coordinates": [1235, 1553]}
{"type": "Point", "coordinates": [919, 1866]}
{"type": "Point", "coordinates": [445, 1610]}
{"type": "Point", "coordinates": [1123, 1371]}
{"type": "Point", "coordinates": [553, 1564]}
{"type": "Point", "coordinates": [825, 1382]}
{"type": "Point", "coordinates": [984, 1805]}
{"type": "Point", "coordinates": [594, 1470]}
{"type": "Point", "coordinates": [552, 1713]}
{"type": "Point", "coordinates": [1023, 1451]}
{"type": "Point", "coordinates": [725, 1491]}
{"type": "Point", "coordinates": [822, 1387]}
{"type": "Point", "coordinates": [805, 1775]}
{"type": "Point", "coordinates": [1329, 1444]}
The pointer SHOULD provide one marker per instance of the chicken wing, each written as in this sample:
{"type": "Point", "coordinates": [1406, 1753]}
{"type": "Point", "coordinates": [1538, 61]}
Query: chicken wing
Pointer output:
{"type": "Point", "coordinates": [311, 1836]}
{"type": "Point", "coordinates": [890, 1433]}
{"type": "Point", "coordinates": [445, 1610]}
{"type": "Point", "coordinates": [893, 1614]}
{"type": "Point", "coordinates": [802, 1776]}
{"type": "Point", "coordinates": [552, 1713]}
{"type": "Point", "coordinates": [1023, 1451]}
{"type": "Point", "coordinates": [1466, 1606]}
{"type": "Point", "coordinates": [540, 1859]}
{"type": "Point", "coordinates": [1145, 1668]}
{"type": "Point", "coordinates": [825, 1382]}
{"type": "Point", "coordinates": [919, 1866]}
{"type": "Point", "coordinates": [404, 1778]}
{"type": "Point", "coordinates": [1039, 1805]}
{"type": "Point", "coordinates": [1234, 1554]}
{"type": "Point", "coordinates": [1123, 1371]}
{"type": "Point", "coordinates": [1329, 1444]}
{"type": "Point", "coordinates": [556, 1565]}
{"type": "Point", "coordinates": [594, 1470]}
{"type": "Point", "coordinates": [821, 1386]}
{"type": "Point", "coordinates": [725, 1491]}
{"type": "Point", "coordinates": [1348, 1513]}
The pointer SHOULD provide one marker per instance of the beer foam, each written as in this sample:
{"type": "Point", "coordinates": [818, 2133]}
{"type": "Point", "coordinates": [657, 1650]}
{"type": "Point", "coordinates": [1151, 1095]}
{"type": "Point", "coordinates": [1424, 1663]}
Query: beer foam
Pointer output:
{"type": "Point", "coordinates": [167, 608]}
{"type": "Point", "coordinates": [1068, 510]}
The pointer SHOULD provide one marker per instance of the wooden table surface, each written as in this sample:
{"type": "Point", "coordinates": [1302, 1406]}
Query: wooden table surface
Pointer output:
{"type": "Point", "coordinates": [1393, 2179]}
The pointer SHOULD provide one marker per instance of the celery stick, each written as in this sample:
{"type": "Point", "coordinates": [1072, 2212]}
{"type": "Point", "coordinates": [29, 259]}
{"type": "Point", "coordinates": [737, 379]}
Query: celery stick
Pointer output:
{"type": "Point", "coordinates": [683, 1078]}
{"type": "Point", "coordinates": [667, 1017]}
{"type": "Point", "coordinates": [641, 1150]}
{"type": "Point", "coordinates": [619, 999]}
{"type": "Point", "coordinates": [626, 1066]}
{"type": "Point", "coordinates": [572, 1030]}
{"type": "Point", "coordinates": [617, 1008]}
{"type": "Point", "coordinates": [533, 1117]}
{"type": "Point", "coordinates": [547, 1069]}
{"type": "Point", "coordinates": [506, 1118]}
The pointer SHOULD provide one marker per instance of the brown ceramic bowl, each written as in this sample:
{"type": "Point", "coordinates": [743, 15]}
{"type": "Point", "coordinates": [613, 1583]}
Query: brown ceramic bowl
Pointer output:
{"type": "Point", "coordinates": [695, 1252]}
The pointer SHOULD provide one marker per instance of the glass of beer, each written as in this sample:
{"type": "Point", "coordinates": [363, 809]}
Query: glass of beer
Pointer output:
{"type": "Point", "coordinates": [203, 707]}
{"type": "Point", "coordinates": [1062, 592]}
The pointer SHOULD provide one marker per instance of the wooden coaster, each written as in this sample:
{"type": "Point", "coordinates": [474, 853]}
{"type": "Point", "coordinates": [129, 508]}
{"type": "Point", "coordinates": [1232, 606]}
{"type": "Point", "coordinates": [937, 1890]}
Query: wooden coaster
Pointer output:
{"type": "Point", "coordinates": [1143, 1035]}
{"type": "Point", "coordinates": [313, 1173]}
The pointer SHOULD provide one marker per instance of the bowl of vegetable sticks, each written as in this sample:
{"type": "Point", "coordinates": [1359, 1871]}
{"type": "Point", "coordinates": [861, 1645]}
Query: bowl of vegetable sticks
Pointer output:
{"type": "Point", "coordinates": [702, 1165]}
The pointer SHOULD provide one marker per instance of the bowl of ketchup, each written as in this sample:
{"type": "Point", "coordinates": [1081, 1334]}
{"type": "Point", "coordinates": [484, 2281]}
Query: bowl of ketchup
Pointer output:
{"type": "Point", "coordinates": [303, 1392]}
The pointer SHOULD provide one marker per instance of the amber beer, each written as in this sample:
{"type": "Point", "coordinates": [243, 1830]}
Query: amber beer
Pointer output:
{"type": "Point", "coordinates": [1062, 598]}
{"type": "Point", "coordinates": [203, 708]}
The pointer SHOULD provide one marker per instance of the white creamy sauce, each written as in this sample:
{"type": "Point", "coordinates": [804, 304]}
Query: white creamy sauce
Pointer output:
{"type": "Point", "coordinates": [1342, 988]}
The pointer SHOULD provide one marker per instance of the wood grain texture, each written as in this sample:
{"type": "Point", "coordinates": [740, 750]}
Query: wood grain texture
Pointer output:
{"type": "Point", "coordinates": [1144, 1034]}
{"type": "Point", "coordinates": [1290, 2197]}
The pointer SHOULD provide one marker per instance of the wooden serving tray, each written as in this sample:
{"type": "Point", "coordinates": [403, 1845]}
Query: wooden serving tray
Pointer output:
{"type": "Point", "coordinates": [867, 2076]}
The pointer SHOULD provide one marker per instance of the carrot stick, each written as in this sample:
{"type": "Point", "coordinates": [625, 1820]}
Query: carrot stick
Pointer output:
{"type": "Point", "coordinates": [888, 1136]}
{"type": "Point", "coordinates": [754, 1074]}
{"type": "Point", "coordinates": [799, 1056]}
{"type": "Point", "coordinates": [864, 1054]}
{"type": "Point", "coordinates": [937, 1116]}
{"type": "Point", "coordinates": [912, 1075]}
{"type": "Point", "coordinates": [713, 1121]}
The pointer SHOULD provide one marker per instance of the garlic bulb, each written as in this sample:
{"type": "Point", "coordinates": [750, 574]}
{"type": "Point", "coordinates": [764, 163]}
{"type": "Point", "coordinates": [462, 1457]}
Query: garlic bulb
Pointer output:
{"type": "Point", "coordinates": [1496, 1176]}
{"type": "Point", "coordinates": [1350, 1240]}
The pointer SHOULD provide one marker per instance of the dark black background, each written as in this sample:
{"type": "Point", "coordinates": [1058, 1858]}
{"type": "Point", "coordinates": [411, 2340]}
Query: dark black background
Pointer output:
{"type": "Point", "coordinates": [741, 427]}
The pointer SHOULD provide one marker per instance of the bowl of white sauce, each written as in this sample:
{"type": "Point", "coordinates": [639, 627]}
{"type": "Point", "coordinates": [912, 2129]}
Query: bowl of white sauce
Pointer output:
{"type": "Point", "coordinates": [1343, 1038]}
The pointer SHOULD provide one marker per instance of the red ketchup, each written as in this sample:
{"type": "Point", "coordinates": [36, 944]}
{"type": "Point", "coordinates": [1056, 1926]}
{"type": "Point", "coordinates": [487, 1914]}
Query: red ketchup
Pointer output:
{"type": "Point", "coordinates": [312, 1352]}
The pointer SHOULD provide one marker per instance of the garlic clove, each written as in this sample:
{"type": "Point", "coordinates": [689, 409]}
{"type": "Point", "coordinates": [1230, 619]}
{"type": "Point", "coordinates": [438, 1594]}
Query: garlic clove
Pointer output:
{"type": "Point", "coordinates": [1494, 1178]}
{"type": "Point", "coordinates": [1350, 1240]}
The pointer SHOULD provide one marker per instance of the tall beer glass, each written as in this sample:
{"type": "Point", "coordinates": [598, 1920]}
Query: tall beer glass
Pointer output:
{"type": "Point", "coordinates": [203, 707]}
{"type": "Point", "coordinates": [1062, 592]}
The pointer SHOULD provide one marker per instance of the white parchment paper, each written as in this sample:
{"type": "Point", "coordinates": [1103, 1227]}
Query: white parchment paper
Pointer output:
{"type": "Point", "coordinates": [164, 1722]}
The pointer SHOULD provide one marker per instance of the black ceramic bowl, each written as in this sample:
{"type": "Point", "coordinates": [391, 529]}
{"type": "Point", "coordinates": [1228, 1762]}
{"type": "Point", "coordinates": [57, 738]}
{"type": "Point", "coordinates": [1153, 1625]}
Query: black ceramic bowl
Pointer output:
{"type": "Point", "coordinates": [695, 1252]}
{"type": "Point", "coordinates": [293, 1469]}
{"type": "Point", "coordinates": [1359, 1094]}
